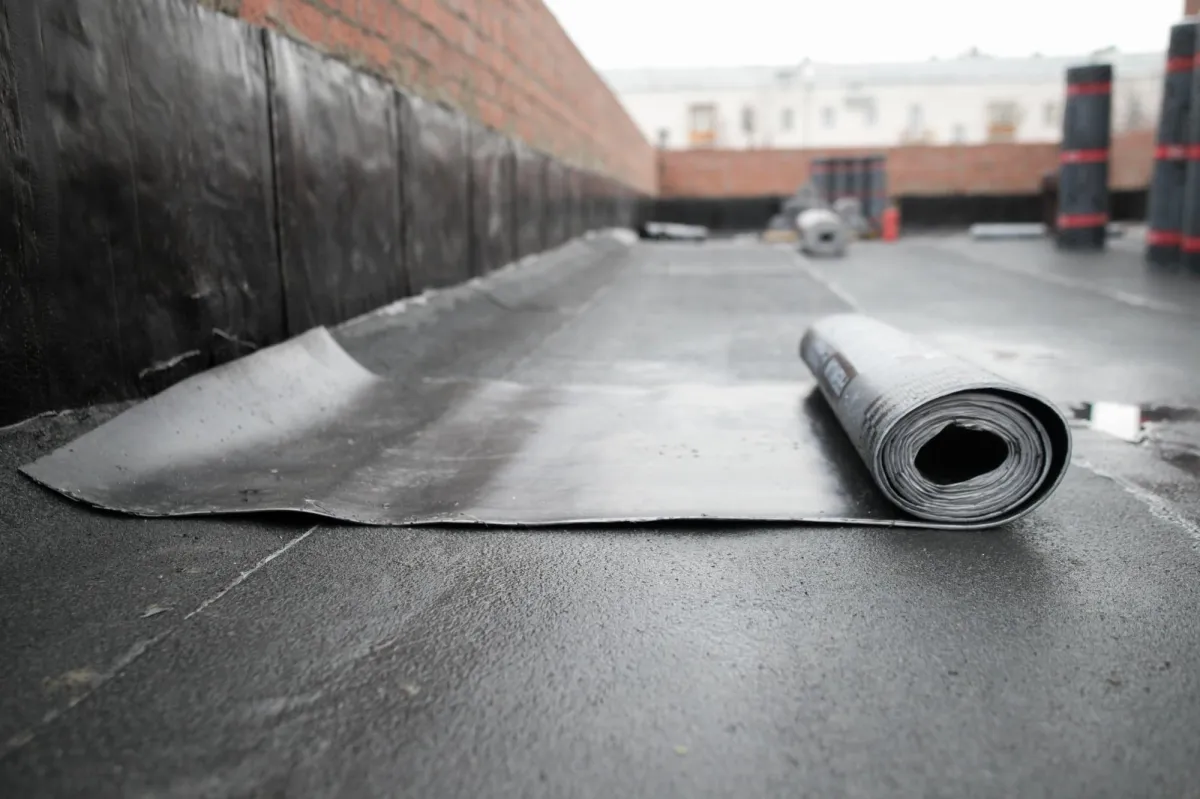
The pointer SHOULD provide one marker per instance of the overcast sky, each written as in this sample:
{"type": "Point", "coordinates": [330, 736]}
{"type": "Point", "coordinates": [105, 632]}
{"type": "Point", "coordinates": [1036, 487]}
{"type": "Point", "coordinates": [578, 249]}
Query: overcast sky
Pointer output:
{"type": "Point", "coordinates": [688, 33]}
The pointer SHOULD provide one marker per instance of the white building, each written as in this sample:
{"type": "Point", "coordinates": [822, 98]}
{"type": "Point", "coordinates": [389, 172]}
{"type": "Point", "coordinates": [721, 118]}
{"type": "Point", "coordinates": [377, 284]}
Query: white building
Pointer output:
{"type": "Point", "coordinates": [973, 99]}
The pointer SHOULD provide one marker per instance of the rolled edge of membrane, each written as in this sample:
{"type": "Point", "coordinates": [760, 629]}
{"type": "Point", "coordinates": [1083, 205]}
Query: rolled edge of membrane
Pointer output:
{"type": "Point", "coordinates": [1056, 456]}
{"type": "Point", "coordinates": [866, 351]}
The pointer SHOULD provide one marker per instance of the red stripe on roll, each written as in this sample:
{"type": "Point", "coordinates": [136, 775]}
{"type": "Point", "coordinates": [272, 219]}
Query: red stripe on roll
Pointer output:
{"type": "Point", "coordinates": [1193, 151]}
{"type": "Point", "coordinates": [1182, 63]}
{"type": "Point", "coordinates": [1190, 244]}
{"type": "Point", "coordinates": [1076, 89]}
{"type": "Point", "coordinates": [1068, 221]}
{"type": "Point", "coordinates": [1163, 238]}
{"type": "Point", "coordinates": [1171, 152]}
{"type": "Point", "coordinates": [1098, 156]}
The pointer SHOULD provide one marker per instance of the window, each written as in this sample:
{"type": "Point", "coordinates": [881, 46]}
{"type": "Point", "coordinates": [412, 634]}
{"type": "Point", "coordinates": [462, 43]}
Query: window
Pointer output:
{"type": "Point", "coordinates": [664, 136]}
{"type": "Point", "coordinates": [787, 119]}
{"type": "Point", "coordinates": [914, 131]}
{"type": "Point", "coordinates": [702, 124]}
{"type": "Point", "coordinates": [702, 118]}
{"type": "Point", "coordinates": [828, 116]}
{"type": "Point", "coordinates": [864, 105]}
{"type": "Point", "coordinates": [1003, 117]}
{"type": "Point", "coordinates": [960, 133]}
{"type": "Point", "coordinates": [747, 119]}
{"type": "Point", "coordinates": [1050, 114]}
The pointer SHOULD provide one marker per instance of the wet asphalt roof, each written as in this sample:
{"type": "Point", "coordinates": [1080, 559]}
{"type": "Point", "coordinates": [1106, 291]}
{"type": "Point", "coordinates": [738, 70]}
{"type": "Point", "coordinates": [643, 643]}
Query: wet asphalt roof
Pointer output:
{"type": "Point", "coordinates": [271, 656]}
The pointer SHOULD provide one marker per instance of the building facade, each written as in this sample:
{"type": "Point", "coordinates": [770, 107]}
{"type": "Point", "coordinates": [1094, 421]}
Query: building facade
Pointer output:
{"type": "Point", "coordinates": [975, 99]}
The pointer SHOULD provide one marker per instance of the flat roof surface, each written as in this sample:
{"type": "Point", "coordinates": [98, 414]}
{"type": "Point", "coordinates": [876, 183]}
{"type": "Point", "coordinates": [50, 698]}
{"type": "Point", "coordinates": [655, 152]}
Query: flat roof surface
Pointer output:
{"type": "Point", "coordinates": [278, 655]}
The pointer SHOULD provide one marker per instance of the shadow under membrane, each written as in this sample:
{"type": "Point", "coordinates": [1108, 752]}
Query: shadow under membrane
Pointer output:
{"type": "Point", "coordinates": [847, 470]}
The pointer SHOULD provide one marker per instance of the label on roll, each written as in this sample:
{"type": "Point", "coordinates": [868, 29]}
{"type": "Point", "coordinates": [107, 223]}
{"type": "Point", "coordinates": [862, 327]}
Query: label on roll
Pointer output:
{"type": "Point", "coordinates": [833, 370]}
{"type": "Point", "coordinates": [815, 351]}
{"type": "Point", "coordinates": [837, 374]}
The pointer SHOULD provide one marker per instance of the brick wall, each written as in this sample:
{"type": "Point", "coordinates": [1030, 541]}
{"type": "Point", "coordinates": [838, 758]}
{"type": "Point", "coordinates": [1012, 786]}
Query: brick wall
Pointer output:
{"type": "Point", "coordinates": [918, 170]}
{"type": "Point", "coordinates": [505, 62]}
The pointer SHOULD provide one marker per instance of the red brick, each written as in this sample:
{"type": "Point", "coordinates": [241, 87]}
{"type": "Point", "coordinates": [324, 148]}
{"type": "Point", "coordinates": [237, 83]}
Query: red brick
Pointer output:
{"type": "Point", "coordinates": [374, 15]}
{"type": "Point", "coordinates": [470, 40]}
{"type": "Point", "coordinates": [402, 28]}
{"type": "Point", "coordinates": [258, 12]}
{"type": "Point", "coordinates": [344, 37]}
{"type": "Point", "coordinates": [433, 49]}
{"type": "Point", "coordinates": [976, 169]}
{"type": "Point", "coordinates": [498, 61]}
{"type": "Point", "coordinates": [378, 51]}
{"type": "Point", "coordinates": [508, 61]}
{"type": "Point", "coordinates": [491, 113]}
{"type": "Point", "coordinates": [420, 73]}
{"type": "Point", "coordinates": [510, 97]}
{"type": "Point", "coordinates": [455, 64]}
{"type": "Point", "coordinates": [408, 64]}
{"type": "Point", "coordinates": [347, 8]}
{"type": "Point", "coordinates": [440, 18]}
{"type": "Point", "coordinates": [494, 25]}
{"type": "Point", "coordinates": [306, 21]}
{"type": "Point", "coordinates": [471, 12]}
{"type": "Point", "coordinates": [485, 83]}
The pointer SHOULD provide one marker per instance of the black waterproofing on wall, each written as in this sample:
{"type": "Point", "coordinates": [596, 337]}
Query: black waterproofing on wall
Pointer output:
{"type": "Point", "coordinates": [716, 213]}
{"type": "Point", "coordinates": [557, 215]}
{"type": "Point", "coordinates": [493, 204]}
{"type": "Point", "coordinates": [588, 208]}
{"type": "Point", "coordinates": [753, 213]}
{"type": "Point", "coordinates": [574, 209]}
{"type": "Point", "coordinates": [530, 191]}
{"type": "Point", "coordinates": [945, 211]}
{"type": "Point", "coordinates": [178, 188]}
{"type": "Point", "coordinates": [949, 211]}
{"type": "Point", "coordinates": [141, 244]}
{"type": "Point", "coordinates": [920, 212]}
{"type": "Point", "coordinates": [601, 205]}
{"type": "Point", "coordinates": [339, 212]}
{"type": "Point", "coordinates": [437, 194]}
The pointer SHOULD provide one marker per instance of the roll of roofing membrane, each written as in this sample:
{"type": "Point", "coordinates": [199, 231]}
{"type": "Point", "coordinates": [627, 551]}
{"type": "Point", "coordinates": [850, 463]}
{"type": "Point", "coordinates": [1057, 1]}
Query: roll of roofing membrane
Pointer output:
{"type": "Point", "coordinates": [822, 232]}
{"type": "Point", "coordinates": [945, 440]}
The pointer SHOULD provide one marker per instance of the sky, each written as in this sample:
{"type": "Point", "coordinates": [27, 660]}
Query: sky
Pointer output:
{"type": "Point", "coordinates": [619, 34]}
